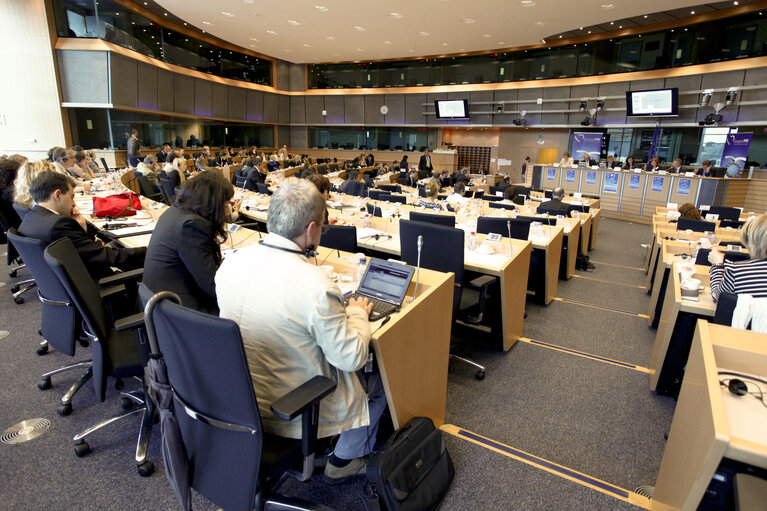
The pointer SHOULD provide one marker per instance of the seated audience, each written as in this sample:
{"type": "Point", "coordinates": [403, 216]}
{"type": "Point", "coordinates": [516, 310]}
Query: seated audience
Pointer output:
{"type": "Point", "coordinates": [555, 206]}
{"type": "Point", "coordinates": [255, 175]}
{"type": "Point", "coordinates": [55, 216]}
{"type": "Point", "coordinates": [162, 154]}
{"type": "Point", "coordinates": [351, 177]}
{"type": "Point", "coordinates": [27, 173]}
{"type": "Point", "coordinates": [504, 184]}
{"type": "Point", "coordinates": [148, 168]}
{"type": "Point", "coordinates": [81, 169]}
{"type": "Point", "coordinates": [62, 159]}
{"type": "Point", "coordinates": [457, 199]}
{"type": "Point", "coordinates": [301, 328]}
{"type": "Point", "coordinates": [509, 194]}
{"type": "Point", "coordinates": [689, 211]}
{"type": "Point", "coordinates": [223, 158]}
{"type": "Point", "coordinates": [432, 190]}
{"type": "Point", "coordinates": [184, 251]}
{"type": "Point", "coordinates": [706, 169]}
{"type": "Point", "coordinates": [629, 164]}
{"type": "Point", "coordinates": [746, 277]}
{"type": "Point", "coordinates": [273, 164]}
{"type": "Point", "coordinates": [323, 185]}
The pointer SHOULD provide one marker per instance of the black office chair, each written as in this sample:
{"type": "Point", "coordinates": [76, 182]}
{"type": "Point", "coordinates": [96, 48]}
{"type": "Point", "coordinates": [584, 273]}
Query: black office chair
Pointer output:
{"type": "Point", "coordinates": [340, 237]}
{"type": "Point", "coordinates": [167, 191]}
{"type": "Point", "coordinates": [374, 210]}
{"type": "Point", "coordinates": [148, 189]}
{"type": "Point", "coordinates": [491, 198]}
{"type": "Point", "coordinates": [520, 229]}
{"type": "Point", "coordinates": [227, 456]}
{"type": "Point", "coordinates": [548, 193]}
{"type": "Point", "coordinates": [725, 213]}
{"type": "Point", "coordinates": [385, 197]}
{"type": "Point", "coordinates": [735, 224]}
{"type": "Point", "coordinates": [442, 250]}
{"type": "Point", "coordinates": [730, 255]}
{"type": "Point", "coordinates": [523, 190]}
{"type": "Point", "coordinates": [322, 169]}
{"type": "Point", "coordinates": [356, 188]}
{"type": "Point", "coordinates": [545, 220]}
{"type": "Point", "coordinates": [239, 181]}
{"type": "Point", "coordinates": [59, 321]}
{"type": "Point", "coordinates": [421, 190]}
{"type": "Point", "coordinates": [263, 188]}
{"type": "Point", "coordinates": [374, 194]}
{"type": "Point", "coordinates": [446, 182]}
{"type": "Point", "coordinates": [494, 190]}
{"type": "Point", "coordinates": [446, 220]}
{"type": "Point", "coordinates": [682, 224]}
{"type": "Point", "coordinates": [20, 210]}
{"type": "Point", "coordinates": [502, 206]}
{"type": "Point", "coordinates": [391, 188]}
{"type": "Point", "coordinates": [115, 343]}
{"type": "Point", "coordinates": [104, 164]}
{"type": "Point", "coordinates": [725, 307]}
{"type": "Point", "coordinates": [12, 257]}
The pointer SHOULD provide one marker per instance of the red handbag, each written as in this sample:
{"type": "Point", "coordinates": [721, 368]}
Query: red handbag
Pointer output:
{"type": "Point", "coordinates": [121, 204]}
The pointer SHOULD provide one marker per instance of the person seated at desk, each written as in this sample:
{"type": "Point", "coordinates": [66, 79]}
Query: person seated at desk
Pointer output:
{"type": "Point", "coordinates": [273, 164]}
{"type": "Point", "coordinates": [463, 176]}
{"type": "Point", "coordinates": [403, 165]}
{"type": "Point", "coordinates": [688, 210]}
{"type": "Point", "coordinates": [742, 277]}
{"type": "Point", "coordinates": [457, 199]}
{"type": "Point", "coordinates": [193, 141]}
{"type": "Point", "coordinates": [9, 172]}
{"type": "Point", "coordinates": [148, 168]}
{"type": "Point", "coordinates": [611, 163]}
{"type": "Point", "coordinates": [411, 180]}
{"type": "Point", "coordinates": [95, 169]}
{"type": "Point", "coordinates": [367, 180]}
{"type": "Point", "coordinates": [247, 166]}
{"type": "Point", "coordinates": [21, 185]}
{"type": "Point", "coordinates": [223, 158]}
{"type": "Point", "coordinates": [586, 159]}
{"type": "Point", "coordinates": [55, 216]}
{"type": "Point", "coordinates": [566, 160]}
{"type": "Point", "coordinates": [351, 177]}
{"type": "Point", "coordinates": [504, 184]}
{"type": "Point", "coordinates": [163, 153]}
{"type": "Point", "coordinates": [301, 328]}
{"type": "Point", "coordinates": [256, 175]}
{"type": "Point", "coordinates": [676, 166]}
{"type": "Point", "coordinates": [62, 159]}
{"type": "Point", "coordinates": [184, 251]}
{"type": "Point", "coordinates": [629, 164]}
{"type": "Point", "coordinates": [432, 190]}
{"type": "Point", "coordinates": [706, 169]}
{"type": "Point", "coordinates": [81, 169]}
{"type": "Point", "coordinates": [509, 194]}
{"type": "Point", "coordinates": [177, 173]}
{"type": "Point", "coordinates": [653, 165]}
{"type": "Point", "coordinates": [323, 186]}
{"type": "Point", "coordinates": [555, 206]}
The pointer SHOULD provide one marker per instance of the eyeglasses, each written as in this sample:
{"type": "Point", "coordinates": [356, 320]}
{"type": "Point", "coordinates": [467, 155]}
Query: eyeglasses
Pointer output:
{"type": "Point", "coordinates": [325, 229]}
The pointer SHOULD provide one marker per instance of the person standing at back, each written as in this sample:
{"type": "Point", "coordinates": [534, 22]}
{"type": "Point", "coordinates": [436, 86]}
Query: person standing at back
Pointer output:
{"type": "Point", "coordinates": [424, 164]}
{"type": "Point", "coordinates": [134, 146]}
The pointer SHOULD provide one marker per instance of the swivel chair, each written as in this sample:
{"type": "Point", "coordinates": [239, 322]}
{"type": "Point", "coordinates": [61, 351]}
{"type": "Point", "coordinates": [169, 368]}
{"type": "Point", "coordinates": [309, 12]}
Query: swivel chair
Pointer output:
{"type": "Point", "coordinates": [166, 190]}
{"type": "Point", "coordinates": [391, 188]}
{"type": "Point", "coordinates": [148, 189]}
{"type": "Point", "coordinates": [263, 188]}
{"type": "Point", "coordinates": [12, 257]}
{"type": "Point", "coordinates": [725, 307]}
{"type": "Point", "coordinates": [683, 224]}
{"type": "Point", "coordinates": [386, 197]}
{"type": "Point", "coordinates": [340, 237]}
{"type": "Point", "coordinates": [443, 250]}
{"type": "Point", "coordinates": [725, 213]}
{"type": "Point", "coordinates": [446, 220]}
{"type": "Point", "coordinates": [216, 444]}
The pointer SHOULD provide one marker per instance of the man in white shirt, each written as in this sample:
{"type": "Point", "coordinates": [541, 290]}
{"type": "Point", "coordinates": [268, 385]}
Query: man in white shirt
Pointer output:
{"type": "Point", "coordinates": [457, 199]}
{"type": "Point", "coordinates": [294, 326]}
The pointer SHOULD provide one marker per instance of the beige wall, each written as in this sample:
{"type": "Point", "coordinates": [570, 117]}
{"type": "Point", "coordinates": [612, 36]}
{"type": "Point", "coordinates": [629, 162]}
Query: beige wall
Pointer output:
{"type": "Point", "coordinates": [517, 143]}
{"type": "Point", "coordinates": [30, 116]}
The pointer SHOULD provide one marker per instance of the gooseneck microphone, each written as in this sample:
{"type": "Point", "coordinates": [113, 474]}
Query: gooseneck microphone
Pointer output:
{"type": "Point", "coordinates": [508, 227]}
{"type": "Point", "coordinates": [418, 267]}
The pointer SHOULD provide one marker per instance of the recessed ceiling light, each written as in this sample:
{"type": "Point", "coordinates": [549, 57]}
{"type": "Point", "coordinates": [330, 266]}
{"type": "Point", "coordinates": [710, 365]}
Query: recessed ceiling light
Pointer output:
{"type": "Point", "coordinates": [468, 21]}
{"type": "Point", "coordinates": [229, 14]}
{"type": "Point", "coordinates": [560, 37]}
{"type": "Point", "coordinates": [330, 38]}
{"type": "Point", "coordinates": [294, 23]}
{"type": "Point", "coordinates": [306, 45]}
{"type": "Point", "coordinates": [608, 6]}
{"type": "Point", "coordinates": [360, 29]}
{"type": "Point", "coordinates": [589, 31]}
{"type": "Point", "coordinates": [645, 15]}
{"type": "Point", "coordinates": [460, 49]}
{"type": "Point", "coordinates": [207, 23]}
{"type": "Point", "coordinates": [539, 23]}
{"type": "Point", "coordinates": [165, 13]}
{"type": "Point", "coordinates": [254, 39]}
{"type": "Point", "coordinates": [692, 12]}
{"type": "Point", "coordinates": [321, 8]}
{"type": "Point", "coordinates": [185, 23]}
{"type": "Point", "coordinates": [735, 3]}
{"type": "Point", "coordinates": [252, 45]}
{"type": "Point", "coordinates": [620, 26]}
{"type": "Point", "coordinates": [395, 15]}
{"type": "Point", "coordinates": [271, 32]}
{"type": "Point", "coordinates": [411, 51]}
{"type": "Point", "coordinates": [612, 23]}
{"type": "Point", "coordinates": [360, 49]}
{"type": "Point", "coordinates": [526, 3]}
{"type": "Point", "coordinates": [423, 34]}
{"type": "Point", "coordinates": [486, 35]}
{"type": "Point", "coordinates": [387, 42]}
{"type": "Point", "coordinates": [444, 44]}
{"type": "Point", "coordinates": [251, 2]}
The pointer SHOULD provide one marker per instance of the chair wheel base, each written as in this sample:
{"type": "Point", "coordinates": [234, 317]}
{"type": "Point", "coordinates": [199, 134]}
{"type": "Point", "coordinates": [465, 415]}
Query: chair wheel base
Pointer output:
{"type": "Point", "coordinates": [42, 350]}
{"type": "Point", "coordinates": [45, 384]}
{"type": "Point", "coordinates": [65, 409]}
{"type": "Point", "coordinates": [19, 300]}
{"type": "Point", "coordinates": [15, 289]}
{"type": "Point", "coordinates": [119, 384]}
{"type": "Point", "coordinates": [145, 469]}
{"type": "Point", "coordinates": [126, 403]}
{"type": "Point", "coordinates": [480, 375]}
{"type": "Point", "coordinates": [84, 343]}
{"type": "Point", "coordinates": [82, 449]}
{"type": "Point", "coordinates": [12, 273]}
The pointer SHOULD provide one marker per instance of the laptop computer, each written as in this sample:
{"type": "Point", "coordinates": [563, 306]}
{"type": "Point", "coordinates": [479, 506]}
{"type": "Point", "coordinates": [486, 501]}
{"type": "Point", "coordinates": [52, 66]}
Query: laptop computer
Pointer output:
{"type": "Point", "coordinates": [385, 284]}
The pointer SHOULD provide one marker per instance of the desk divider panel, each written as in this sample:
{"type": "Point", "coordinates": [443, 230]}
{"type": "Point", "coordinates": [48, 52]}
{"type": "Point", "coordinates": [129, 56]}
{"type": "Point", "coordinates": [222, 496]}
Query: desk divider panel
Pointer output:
{"type": "Point", "coordinates": [684, 189]}
{"type": "Point", "coordinates": [551, 177]}
{"type": "Point", "coordinates": [610, 198]}
{"type": "Point", "coordinates": [656, 194]}
{"type": "Point", "coordinates": [570, 180]}
{"type": "Point", "coordinates": [633, 191]}
{"type": "Point", "coordinates": [591, 182]}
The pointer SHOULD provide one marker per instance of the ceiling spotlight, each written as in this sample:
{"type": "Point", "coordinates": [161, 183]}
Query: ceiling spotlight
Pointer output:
{"type": "Point", "coordinates": [705, 98]}
{"type": "Point", "coordinates": [395, 15]}
{"type": "Point", "coordinates": [359, 29]}
{"type": "Point", "coordinates": [586, 121]}
{"type": "Point", "coordinates": [731, 97]}
{"type": "Point", "coordinates": [583, 105]}
{"type": "Point", "coordinates": [526, 3]}
{"type": "Point", "coordinates": [271, 32]}
{"type": "Point", "coordinates": [423, 34]}
{"type": "Point", "coordinates": [294, 23]}
{"type": "Point", "coordinates": [468, 21]}
{"type": "Point", "coordinates": [499, 108]}
{"type": "Point", "coordinates": [519, 122]}
{"type": "Point", "coordinates": [600, 104]}
{"type": "Point", "coordinates": [321, 8]}
{"type": "Point", "coordinates": [710, 119]}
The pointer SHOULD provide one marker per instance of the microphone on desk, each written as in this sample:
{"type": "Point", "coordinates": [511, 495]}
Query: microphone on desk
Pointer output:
{"type": "Point", "coordinates": [418, 267]}
{"type": "Point", "coordinates": [508, 227]}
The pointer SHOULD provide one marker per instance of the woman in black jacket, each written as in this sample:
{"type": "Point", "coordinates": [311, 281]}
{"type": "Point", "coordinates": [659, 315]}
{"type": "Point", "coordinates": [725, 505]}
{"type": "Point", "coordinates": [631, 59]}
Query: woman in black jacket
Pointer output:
{"type": "Point", "coordinates": [184, 251]}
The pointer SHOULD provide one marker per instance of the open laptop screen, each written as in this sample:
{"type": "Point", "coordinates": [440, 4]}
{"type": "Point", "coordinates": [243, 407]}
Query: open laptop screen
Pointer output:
{"type": "Point", "coordinates": [386, 280]}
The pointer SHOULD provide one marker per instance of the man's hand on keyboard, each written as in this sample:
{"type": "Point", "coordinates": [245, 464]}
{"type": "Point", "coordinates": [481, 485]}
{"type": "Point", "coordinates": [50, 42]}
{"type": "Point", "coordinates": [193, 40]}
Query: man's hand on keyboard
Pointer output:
{"type": "Point", "coordinates": [363, 303]}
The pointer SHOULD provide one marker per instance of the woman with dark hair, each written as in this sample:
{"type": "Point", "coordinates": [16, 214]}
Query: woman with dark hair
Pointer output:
{"type": "Point", "coordinates": [323, 185]}
{"type": "Point", "coordinates": [184, 252]}
{"type": "Point", "coordinates": [629, 164]}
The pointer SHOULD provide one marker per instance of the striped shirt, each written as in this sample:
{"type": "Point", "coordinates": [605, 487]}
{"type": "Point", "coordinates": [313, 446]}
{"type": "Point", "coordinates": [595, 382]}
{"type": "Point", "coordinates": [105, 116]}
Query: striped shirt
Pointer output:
{"type": "Point", "coordinates": [742, 277]}
{"type": "Point", "coordinates": [430, 205]}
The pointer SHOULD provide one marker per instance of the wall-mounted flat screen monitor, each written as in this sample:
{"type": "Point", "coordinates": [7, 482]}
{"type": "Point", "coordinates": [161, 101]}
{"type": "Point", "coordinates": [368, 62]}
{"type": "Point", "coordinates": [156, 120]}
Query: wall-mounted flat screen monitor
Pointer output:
{"type": "Point", "coordinates": [656, 102]}
{"type": "Point", "coordinates": [452, 108]}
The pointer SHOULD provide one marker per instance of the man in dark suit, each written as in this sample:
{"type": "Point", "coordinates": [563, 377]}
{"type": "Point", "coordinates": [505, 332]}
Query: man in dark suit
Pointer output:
{"type": "Point", "coordinates": [676, 167]}
{"type": "Point", "coordinates": [555, 206]}
{"type": "Point", "coordinates": [706, 169]}
{"type": "Point", "coordinates": [424, 164]}
{"type": "Point", "coordinates": [503, 184]}
{"type": "Point", "coordinates": [410, 180]}
{"type": "Point", "coordinates": [55, 216]}
{"type": "Point", "coordinates": [162, 154]}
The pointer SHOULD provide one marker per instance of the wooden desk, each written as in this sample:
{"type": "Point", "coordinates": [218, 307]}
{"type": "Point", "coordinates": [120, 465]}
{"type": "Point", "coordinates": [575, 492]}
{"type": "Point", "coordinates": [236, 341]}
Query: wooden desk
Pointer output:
{"type": "Point", "coordinates": [707, 426]}
{"type": "Point", "coordinates": [675, 330]}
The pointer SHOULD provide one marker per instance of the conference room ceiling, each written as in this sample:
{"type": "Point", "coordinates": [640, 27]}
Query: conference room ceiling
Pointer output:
{"type": "Point", "coordinates": [309, 31]}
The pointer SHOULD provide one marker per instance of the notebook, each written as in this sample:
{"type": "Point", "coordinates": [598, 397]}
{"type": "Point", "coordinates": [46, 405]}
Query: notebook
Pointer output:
{"type": "Point", "coordinates": [385, 284]}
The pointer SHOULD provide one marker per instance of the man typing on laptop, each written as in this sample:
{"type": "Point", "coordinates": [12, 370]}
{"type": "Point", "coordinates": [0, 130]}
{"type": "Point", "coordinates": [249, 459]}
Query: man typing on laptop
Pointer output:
{"type": "Point", "coordinates": [294, 326]}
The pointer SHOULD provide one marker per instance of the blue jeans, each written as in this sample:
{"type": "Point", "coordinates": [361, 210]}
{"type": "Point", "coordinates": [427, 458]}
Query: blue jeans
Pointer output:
{"type": "Point", "coordinates": [359, 442]}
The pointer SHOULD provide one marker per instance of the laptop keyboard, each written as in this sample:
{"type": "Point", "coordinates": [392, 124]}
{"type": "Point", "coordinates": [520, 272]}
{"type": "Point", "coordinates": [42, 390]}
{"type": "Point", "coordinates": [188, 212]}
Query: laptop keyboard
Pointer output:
{"type": "Point", "coordinates": [380, 308]}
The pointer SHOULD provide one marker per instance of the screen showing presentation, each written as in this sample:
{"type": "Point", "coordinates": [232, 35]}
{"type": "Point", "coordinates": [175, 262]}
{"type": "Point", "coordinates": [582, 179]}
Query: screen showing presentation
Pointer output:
{"type": "Point", "coordinates": [452, 109]}
{"type": "Point", "coordinates": [652, 102]}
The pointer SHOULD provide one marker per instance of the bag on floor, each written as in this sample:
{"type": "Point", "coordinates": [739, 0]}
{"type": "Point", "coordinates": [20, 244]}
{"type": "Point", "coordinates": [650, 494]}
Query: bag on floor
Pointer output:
{"type": "Point", "coordinates": [412, 472]}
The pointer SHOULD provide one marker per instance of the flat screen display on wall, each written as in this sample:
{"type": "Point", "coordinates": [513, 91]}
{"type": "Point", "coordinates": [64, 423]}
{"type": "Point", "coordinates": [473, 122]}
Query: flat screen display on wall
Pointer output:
{"type": "Point", "coordinates": [452, 109]}
{"type": "Point", "coordinates": [655, 102]}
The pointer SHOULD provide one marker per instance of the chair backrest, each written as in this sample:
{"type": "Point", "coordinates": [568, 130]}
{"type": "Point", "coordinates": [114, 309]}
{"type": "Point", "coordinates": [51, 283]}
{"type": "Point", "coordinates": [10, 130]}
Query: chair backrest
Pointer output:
{"type": "Point", "coordinates": [166, 191]}
{"type": "Point", "coordinates": [322, 169]}
{"type": "Point", "coordinates": [208, 370]}
{"type": "Point", "coordinates": [541, 219]}
{"type": "Point", "coordinates": [104, 164]}
{"type": "Point", "coordinates": [59, 317]}
{"type": "Point", "coordinates": [421, 191]}
{"type": "Point", "coordinates": [374, 194]}
{"type": "Point", "coordinates": [340, 237]}
{"type": "Point", "coordinates": [263, 188]}
{"type": "Point", "coordinates": [494, 190]}
{"type": "Point", "coordinates": [520, 229]}
{"type": "Point", "coordinates": [518, 200]}
{"type": "Point", "coordinates": [20, 210]}
{"type": "Point", "coordinates": [5, 226]}
{"type": "Point", "coordinates": [391, 188]}
{"type": "Point", "coordinates": [494, 204]}
{"type": "Point", "coordinates": [730, 255]}
{"type": "Point", "coordinates": [392, 198]}
{"type": "Point", "coordinates": [491, 198]}
{"type": "Point", "coordinates": [146, 187]}
{"type": "Point", "coordinates": [725, 306]}
{"type": "Point", "coordinates": [333, 167]}
{"type": "Point", "coordinates": [356, 188]}
{"type": "Point", "coordinates": [735, 224]}
{"type": "Point", "coordinates": [442, 250]}
{"type": "Point", "coordinates": [446, 220]}
{"type": "Point", "coordinates": [523, 190]}
{"type": "Point", "coordinates": [725, 213]}
{"type": "Point", "coordinates": [239, 181]}
{"type": "Point", "coordinates": [128, 180]}
{"type": "Point", "coordinates": [446, 181]}
{"type": "Point", "coordinates": [683, 224]}
{"type": "Point", "coordinates": [374, 210]}
{"type": "Point", "coordinates": [547, 193]}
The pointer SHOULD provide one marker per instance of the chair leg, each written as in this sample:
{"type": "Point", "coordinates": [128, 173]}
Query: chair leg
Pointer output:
{"type": "Point", "coordinates": [18, 290]}
{"type": "Point", "coordinates": [480, 375]}
{"type": "Point", "coordinates": [144, 466]}
{"type": "Point", "coordinates": [78, 438]}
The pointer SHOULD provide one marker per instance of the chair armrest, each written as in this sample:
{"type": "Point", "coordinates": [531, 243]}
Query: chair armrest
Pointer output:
{"type": "Point", "coordinates": [109, 292]}
{"type": "Point", "coordinates": [483, 281]}
{"type": "Point", "coordinates": [295, 402]}
{"type": "Point", "coordinates": [130, 322]}
{"type": "Point", "coordinates": [122, 277]}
